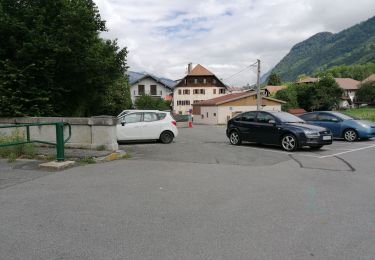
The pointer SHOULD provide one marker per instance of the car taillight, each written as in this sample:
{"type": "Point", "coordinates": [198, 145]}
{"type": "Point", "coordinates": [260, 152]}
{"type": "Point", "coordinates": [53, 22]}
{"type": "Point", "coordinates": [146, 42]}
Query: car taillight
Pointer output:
{"type": "Point", "coordinates": [174, 123]}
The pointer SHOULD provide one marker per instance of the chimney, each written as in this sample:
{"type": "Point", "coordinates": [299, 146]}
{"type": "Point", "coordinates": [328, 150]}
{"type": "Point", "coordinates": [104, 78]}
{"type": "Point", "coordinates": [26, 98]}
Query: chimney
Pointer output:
{"type": "Point", "coordinates": [189, 68]}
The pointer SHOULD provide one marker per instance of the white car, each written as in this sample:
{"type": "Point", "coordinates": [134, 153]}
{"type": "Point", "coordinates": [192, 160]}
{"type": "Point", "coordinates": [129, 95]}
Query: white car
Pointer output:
{"type": "Point", "coordinates": [147, 125]}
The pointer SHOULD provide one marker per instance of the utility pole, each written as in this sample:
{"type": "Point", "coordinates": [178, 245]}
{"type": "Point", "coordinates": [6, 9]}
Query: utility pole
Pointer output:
{"type": "Point", "coordinates": [259, 98]}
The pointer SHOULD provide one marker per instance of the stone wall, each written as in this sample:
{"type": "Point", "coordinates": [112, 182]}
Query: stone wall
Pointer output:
{"type": "Point", "coordinates": [88, 133]}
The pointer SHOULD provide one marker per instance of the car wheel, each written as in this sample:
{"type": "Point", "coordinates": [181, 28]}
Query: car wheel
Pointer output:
{"type": "Point", "coordinates": [316, 147]}
{"type": "Point", "coordinates": [289, 142]}
{"type": "Point", "coordinates": [350, 135]}
{"type": "Point", "coordinates": [235, 138]}
{"type": "Point", "coordinates": [166, 137]}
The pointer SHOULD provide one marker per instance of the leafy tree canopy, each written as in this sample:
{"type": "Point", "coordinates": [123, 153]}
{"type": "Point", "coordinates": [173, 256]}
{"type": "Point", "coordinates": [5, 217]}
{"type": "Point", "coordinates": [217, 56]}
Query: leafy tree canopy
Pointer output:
{"type": "Point", "coordinates": [53, 62]}
{"type": "Point", "coordinates": [274, 79]}
{"type": "Point", "coordinates": [366, 93]}
{"type": "Point", "coordinates": [153, 103]}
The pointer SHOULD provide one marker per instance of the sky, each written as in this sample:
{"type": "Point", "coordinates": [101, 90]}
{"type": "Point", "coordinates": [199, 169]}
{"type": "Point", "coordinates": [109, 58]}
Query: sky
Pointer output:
{"type": "Point", "coordinates": [163, 36]}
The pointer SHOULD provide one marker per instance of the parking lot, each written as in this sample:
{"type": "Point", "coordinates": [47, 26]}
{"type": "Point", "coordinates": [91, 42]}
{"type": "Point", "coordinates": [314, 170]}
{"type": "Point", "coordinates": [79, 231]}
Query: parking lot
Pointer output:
{"type": "Point", "coordinates": [209, 144]}
{"type": "Point", "coordinates": [197, 198]}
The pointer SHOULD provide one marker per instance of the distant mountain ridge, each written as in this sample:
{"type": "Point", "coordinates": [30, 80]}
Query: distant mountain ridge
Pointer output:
{"type": "Point", "coordinates": [355, 45]}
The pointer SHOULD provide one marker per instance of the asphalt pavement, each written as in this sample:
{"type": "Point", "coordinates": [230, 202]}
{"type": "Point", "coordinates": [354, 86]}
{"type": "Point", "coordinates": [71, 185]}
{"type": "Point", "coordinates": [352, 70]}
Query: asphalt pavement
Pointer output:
{"type": "Point", "coordinates": [197, 198]}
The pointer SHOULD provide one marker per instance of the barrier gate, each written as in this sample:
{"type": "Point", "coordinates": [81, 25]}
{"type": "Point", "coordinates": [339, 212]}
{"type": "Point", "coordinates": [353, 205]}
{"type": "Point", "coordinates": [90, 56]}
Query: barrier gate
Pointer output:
{"type": "Point", "coordinates": [60, 141]}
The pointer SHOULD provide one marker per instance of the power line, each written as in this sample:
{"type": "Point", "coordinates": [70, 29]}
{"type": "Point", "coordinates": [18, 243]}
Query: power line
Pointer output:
{"type": "Point", "coordinates": [252, 65]}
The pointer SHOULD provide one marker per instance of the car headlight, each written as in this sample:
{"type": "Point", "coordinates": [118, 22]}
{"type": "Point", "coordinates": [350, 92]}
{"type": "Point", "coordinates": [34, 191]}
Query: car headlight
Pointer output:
{"type": "Point", "coordinates": [311, 133]}
{"type": "Point", "coordinates": [364, 125]}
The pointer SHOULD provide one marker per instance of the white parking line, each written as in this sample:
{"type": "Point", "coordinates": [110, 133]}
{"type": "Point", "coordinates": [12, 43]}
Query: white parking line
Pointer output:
{"type": "Point", "coordinates": [350, 151]}
{"type": "Point", "coordinates": [282, 152]}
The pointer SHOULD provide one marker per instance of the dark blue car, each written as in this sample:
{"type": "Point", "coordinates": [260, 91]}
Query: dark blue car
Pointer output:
{"type": "Point", "coordinates": [341, 126]}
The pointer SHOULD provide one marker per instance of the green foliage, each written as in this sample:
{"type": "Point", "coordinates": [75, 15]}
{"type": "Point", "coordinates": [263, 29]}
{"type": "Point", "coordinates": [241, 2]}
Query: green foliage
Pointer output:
{"type": "Point", "coordinates": [25, 150]}
{"type": "Point", "coordinates": [288, 95]}
{"type": "Point", "coordinates": [274, 79]}
{"type": "Point", "coordinates": [357, 71]}
{"type": "Point", "coordinates": [87, 160]}
{"type": "Point", "coordinates": [361, 113]}
{"type": "Point", "coordinates": [355, 45]}
{"type": "Point", "coordinates": [366, 93]}
{"type": "Point", "coordinates": [322, 95]}
{"type": "Point", "coordinates": [153, 103]}
{"type": "Point", "coordinates": [53, 62]}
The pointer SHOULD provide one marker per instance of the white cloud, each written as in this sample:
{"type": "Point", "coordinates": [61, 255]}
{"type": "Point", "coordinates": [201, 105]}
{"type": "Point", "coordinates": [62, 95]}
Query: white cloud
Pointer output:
{"type": "Point", "coordinates": [224, 36]}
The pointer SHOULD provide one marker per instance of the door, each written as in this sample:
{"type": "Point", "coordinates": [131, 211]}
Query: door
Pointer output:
{"type": "Point", "coordinates": [266, 130]}
{"type": "Point", "coordinates": [246, 125]}
{"type": "Point", "coordinates": [130, 127]}
{"type": "Point", "coordinates": [151, 126]}
{"type": "Point", "coordinates": [331, 122]}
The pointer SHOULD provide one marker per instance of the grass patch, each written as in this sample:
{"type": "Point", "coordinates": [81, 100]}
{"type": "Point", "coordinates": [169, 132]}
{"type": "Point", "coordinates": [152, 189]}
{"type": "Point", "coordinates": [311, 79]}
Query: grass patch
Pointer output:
{"type": "Point", "coordinates": [87, 160]}
{"type": "Point", "coordinates": [125, 156]}
{"type": "Point", "coordinates": [361, 113]}
{"type": "Point", "coordinates": [15, 151]}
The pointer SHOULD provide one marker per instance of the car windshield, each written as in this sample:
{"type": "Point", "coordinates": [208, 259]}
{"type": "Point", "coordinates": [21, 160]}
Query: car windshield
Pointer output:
{"type": "Point", "coordinates": [288, 118]}
{"type": "Point", "coordinates": [342, 116]}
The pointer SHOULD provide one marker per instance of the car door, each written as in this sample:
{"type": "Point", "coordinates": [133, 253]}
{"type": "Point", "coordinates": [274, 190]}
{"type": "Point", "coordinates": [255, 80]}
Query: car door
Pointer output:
{"type": "Point", "coordinates": [266, 130]}
{"type": "Point", "coordinates": [310, 118]}
{"type": "Point", "coordinates": [130, 127]}
{"type": "Point", "coordinates": [331, 122]}
{"type": "Point", "coordinates": [245, 124]}
{"type": "Point", "coordinates": [151, 125]}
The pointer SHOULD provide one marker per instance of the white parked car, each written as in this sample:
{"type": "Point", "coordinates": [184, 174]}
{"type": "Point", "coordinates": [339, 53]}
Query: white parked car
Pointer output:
{"type": "Point", "coordinates": [146, 125]}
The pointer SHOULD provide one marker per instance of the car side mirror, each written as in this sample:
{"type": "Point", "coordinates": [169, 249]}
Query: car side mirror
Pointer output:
{"type": "Point", "coordinates": [273, 122]}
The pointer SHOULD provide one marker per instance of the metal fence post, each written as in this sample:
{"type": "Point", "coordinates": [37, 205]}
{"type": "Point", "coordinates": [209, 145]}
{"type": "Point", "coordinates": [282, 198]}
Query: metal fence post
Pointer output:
{"type": "Point", "coordinates": [60, 142]}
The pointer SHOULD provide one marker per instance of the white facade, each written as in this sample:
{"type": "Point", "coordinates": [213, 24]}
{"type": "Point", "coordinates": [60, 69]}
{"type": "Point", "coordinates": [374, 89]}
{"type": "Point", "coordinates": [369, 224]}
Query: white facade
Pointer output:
{"type": "Point", "coordinates": [185, 97]}
{"type": "Point", "coordinates": [161, 90]}
{"type": "Point", "coordinates": [213, 115]}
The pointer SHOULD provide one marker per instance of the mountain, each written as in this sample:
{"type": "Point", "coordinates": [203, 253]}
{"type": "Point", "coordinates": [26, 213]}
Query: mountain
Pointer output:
{"type": "Point", "coordinates": [355, 45]}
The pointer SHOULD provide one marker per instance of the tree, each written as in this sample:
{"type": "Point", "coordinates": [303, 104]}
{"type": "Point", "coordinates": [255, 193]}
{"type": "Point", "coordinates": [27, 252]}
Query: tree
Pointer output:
{"type": "Point", "coordinates": [53, 62]}
{"type": "Point", "coordinates": [149, 102]}
{"type": "Point", "coordinates": [289, 95]}
{"type": "Point", "coordinates": [366, 93]}
{"type": "Point", "coordinates": [274, 79]}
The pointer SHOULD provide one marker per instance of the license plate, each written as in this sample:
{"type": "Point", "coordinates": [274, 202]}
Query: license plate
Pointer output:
{"type": "Point", "coordinates": [327, 137]}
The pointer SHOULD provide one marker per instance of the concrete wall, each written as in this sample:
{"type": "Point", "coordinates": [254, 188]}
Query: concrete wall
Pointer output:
{"type": "Point", "coordinates": [209, 115]}
{"type": "Point", "coordinates": [88, 133]}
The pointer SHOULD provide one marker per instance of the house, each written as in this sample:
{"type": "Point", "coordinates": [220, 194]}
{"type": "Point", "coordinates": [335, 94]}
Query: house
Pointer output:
{"type": "Point", "coordinates": [220, 109]}
{"type": "Point", "coordinates": [270, 90]}
{"type": "Point", "coordinates": [198, 85]}
{"type": "Point", "coordinates": [369, 78]}
{"type": "Point", "coordinates": [297, 111]}
{"type": "Point", "coordinates": [145, 83]}
{"type": "Point", "coordinates": [350, 87]}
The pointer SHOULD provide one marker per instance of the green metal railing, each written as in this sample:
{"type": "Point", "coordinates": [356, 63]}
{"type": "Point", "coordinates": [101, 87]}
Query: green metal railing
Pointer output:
{"type": "Point", "coordinates": [60, 141]}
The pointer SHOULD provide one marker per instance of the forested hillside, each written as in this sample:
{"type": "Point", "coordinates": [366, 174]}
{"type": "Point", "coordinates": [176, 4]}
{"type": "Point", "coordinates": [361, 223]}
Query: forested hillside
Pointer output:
{"type": "Point", "coordinates": [355, 45]}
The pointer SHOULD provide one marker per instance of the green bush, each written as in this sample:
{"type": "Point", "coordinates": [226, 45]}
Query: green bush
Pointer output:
{"type": "Point", "coordinates": [15, 151]}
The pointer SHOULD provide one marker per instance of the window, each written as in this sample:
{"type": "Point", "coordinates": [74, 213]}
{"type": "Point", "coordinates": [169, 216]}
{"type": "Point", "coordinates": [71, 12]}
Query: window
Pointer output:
{"type": "Point", "coordinates": [179, 91]}
{"type": "Point", "coordinates": [186, 91]}
{"type": "Point", "coordinates": [202, 116]}
{"type": "Point", "coordinates": [183, 102]}
{"type": "Point", "coordinates": [309, 117]}
{"type": "Point", "coordinates": [222, 91]}
{"type": "Point", "coordinates": [202, 91]}
{"type": "Point", "coordinates": [195, 81]}
{"type": "Point", "coordinates": [204, 81]}
{"type": "Point", "coordinates": [196, 91]}
{"type": "Point", "coordinates": [214, 114]}
{"type": "Point", "coordinates": [153, 90]}
{"type": "Point", "coordinates": [196, 101]}
{"type": "Point", "coordinates": [134, 92]}
{"type": "Point", "coordinates": [247, 117]}
{"type": "Point", "coordinates": [161, 93]}
{"type": "Point", "coordinates": [141, 89]}
{"type": "Point", "coordinates": [214, 91]}
{"type": "Point", "coordinates": [133, 118]}
{"type": "Point", "coordinates": [327, 118]}
{"type": "Point", "coordinates": [207, 114]}
{"type": "Point", "coordinates": [185, 82]}
{"type": "Point", "coordinates": [263, 117]}
{"type": "Point", "coordinates": [161, 116]}
{"type": "Point", "coordinates": [150, 117]}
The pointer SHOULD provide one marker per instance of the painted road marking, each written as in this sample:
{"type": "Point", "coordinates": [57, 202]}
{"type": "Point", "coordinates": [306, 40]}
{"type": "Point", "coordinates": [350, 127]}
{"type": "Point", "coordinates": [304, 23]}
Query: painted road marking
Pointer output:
{"type": "Point", "coordinates": [350, 151]}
